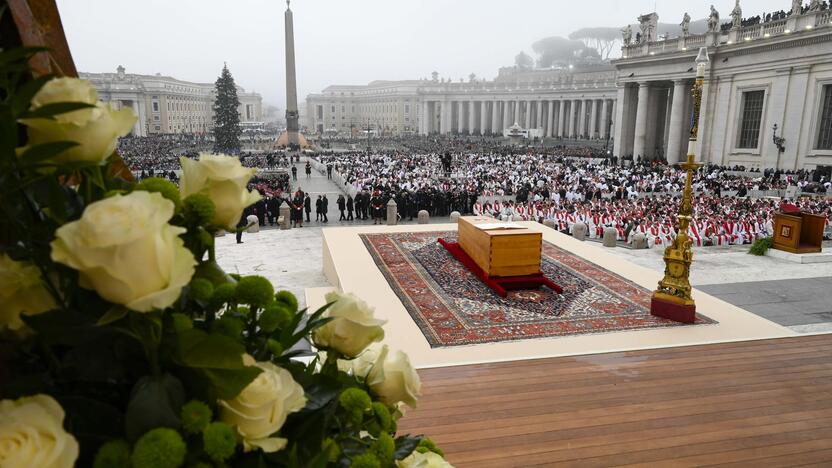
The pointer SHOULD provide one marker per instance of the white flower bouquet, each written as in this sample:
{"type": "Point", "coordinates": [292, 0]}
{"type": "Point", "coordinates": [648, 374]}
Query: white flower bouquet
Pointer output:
{"type": "Point", "coordinates": [122, 342]}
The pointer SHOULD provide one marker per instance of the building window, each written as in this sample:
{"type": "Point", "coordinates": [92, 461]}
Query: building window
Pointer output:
{"type": "Point", "coordinates": [155, 106]}
{"type": "Point", "coordinates": [825, 133]}
{"type": "Point", "coordinates": [333, 108]}
{"type": "Point", "coordinates": [752, 113]}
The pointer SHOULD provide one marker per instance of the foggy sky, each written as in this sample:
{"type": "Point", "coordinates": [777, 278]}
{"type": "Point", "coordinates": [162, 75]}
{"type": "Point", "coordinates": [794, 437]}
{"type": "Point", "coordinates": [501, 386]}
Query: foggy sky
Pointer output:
{"type": "Point", "coordinates": [339, 41]}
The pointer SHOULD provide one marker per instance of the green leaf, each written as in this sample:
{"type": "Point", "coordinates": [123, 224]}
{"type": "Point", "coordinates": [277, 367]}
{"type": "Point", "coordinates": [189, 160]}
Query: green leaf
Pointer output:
{"type": "Point", "coordinates": [155, 401]}
{"type": "Point", "coordinates": [23, 97]}
{"type": "Point", "coordinates": [42, 152]}
{"type": "Point", "coordinates": [405, 445]}
{"type": "Point", "coordinates": [199, 349]}
{"type": "Point", "coordinates": [49, 110]}
{"type": "Point", "coordinates": [228, 383]}
{"type": "Point", "coordinates": [114, 314]}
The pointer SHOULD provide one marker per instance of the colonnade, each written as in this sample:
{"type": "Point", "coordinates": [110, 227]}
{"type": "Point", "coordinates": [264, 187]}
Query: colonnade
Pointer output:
{"type": "Point", "coordinates": [583, 117]}
{"type": "Point", "coordinates": [655, 118]}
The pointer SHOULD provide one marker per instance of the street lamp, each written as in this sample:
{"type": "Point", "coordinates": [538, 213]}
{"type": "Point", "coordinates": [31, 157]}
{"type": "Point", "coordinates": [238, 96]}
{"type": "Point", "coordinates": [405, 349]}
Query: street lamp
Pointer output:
{"type": "Point", "coordinates": [779, 141]}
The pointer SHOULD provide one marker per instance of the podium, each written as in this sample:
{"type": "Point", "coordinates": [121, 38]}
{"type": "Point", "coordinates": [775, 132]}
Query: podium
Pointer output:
{"type": "Point", "coordinates": [798, 232]}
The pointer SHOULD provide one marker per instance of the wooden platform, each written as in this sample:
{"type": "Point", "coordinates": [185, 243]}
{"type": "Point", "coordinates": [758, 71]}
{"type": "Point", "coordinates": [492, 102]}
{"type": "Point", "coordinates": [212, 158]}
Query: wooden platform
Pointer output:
{"type": "Point", "coordinates": [754, 403]}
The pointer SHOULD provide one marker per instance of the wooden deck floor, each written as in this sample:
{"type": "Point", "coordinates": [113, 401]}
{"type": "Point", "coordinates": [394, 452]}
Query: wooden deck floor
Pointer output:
{"type": "Point", "coordinates": [758, 403]}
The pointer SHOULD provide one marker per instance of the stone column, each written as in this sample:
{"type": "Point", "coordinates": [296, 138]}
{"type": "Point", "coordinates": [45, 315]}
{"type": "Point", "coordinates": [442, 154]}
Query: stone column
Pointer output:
{"type": "Point", "coordinates": [605, 119]}
{"type": "Point", "coordinates": [550, 119]}
{"type": "Point", "coordinates": [516, 119]}
{"type": "Point", "coordinates": [392, 212]}
{"type": "Point", "coordinates": [495, 117]}
{"type": "Point", "coordinates": [640, 138]}
{"type": "Point", "coordinates": [677, 122]}
{"type": "Point", "coordinates": [483, 117]}
{"type": "Point", "coordinates": [573, 118]}
{"type": "Point", "coordinates": [561, 118]}
{"type": "Point", "coordinates": [506, 116]}
{"type": "Point", "coordinates": [539, 116]}
{"type": "Point", "coordinates": [423, 119]}
{"type": "Point", "coordinates": [472, 115]}
{"type": "Point", "coordinates": [447, 117]}
{"type": "Point", "coordinates": [582, 117]}
{"type": "Point", "coordinates": [528, 115]}
{"type": "Point", "coordinates": [593, 119]}
{"type": "Point", "coordinates": [460, 117]}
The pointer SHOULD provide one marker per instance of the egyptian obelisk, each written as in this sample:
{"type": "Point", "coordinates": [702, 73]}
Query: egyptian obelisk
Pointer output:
{"type": "Point", "coordinates": [291, 85]}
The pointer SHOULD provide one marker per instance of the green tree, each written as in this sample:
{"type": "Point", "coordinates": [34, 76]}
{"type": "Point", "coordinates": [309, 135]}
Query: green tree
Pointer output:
{"type": "Point", "coordinates": [226, 119]}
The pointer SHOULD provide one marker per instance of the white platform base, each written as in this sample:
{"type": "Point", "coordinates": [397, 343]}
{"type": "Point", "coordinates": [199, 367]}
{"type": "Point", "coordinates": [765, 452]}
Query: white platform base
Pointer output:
{"type": "Point", "coordinates": [824, 256]}
{"type": "Point", "coordinates": [349, 267]}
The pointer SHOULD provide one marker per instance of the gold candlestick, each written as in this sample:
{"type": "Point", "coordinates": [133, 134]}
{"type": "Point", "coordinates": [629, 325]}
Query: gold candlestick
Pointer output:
{"type": "Point", "coordinates": [672, 298]}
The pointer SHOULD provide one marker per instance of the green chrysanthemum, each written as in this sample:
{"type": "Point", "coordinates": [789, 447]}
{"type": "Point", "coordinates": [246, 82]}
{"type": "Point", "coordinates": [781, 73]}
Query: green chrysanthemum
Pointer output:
{"type": "Point", "coordinates": [365, 460]}
{"type": "Point", "coordinates": [201, 289]}
{"type": "Point", "coordinates": [196, 416]}
{"type": "Point", "coordinates": [287, 298]}
{"type": "Point", "coordinates": [219, 441]}
{"type": "Point", "coordinates": [355, 400]}
{"type": "Point", "coordinates": [164, 187]}
{"type": "Point", "coordinates": [223, 294]}
{"type": "Point", "coordinates": [428, 445]}
{"type": "Point", "coordinates": [229, 326]}
{"type": "Point", "coordinates": [383, 415]}
{"type": "Point", "coordinates": [159, 448]}
{"type": "Point", "coordinates": [198, 209]}
{"type": "Point", "coordinates": [274, 316]}
{"type": "Point", "coordinates": [113, 454]}
{"type": "Point", "coordinates": [384, 447]}
{"type": "Point", "coordinates": [330, 446]}
{"type": "Point", "coordinates": [255, 291]}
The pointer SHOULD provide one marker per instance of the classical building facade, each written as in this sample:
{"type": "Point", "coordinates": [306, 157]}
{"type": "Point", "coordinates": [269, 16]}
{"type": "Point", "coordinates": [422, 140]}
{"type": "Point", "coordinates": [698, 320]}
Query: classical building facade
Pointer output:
{"type": "Point", "coordinates": [169, 105]}
{"type": "Point", "coordinates": [775, 72]}
{"type": "Point", "coordinates": [762, 72]}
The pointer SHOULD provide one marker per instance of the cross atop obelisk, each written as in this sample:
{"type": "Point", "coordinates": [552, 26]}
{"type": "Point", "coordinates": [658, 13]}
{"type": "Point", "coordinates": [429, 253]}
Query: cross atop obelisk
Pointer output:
{"type": "Point", "coordinates": [291, 85]}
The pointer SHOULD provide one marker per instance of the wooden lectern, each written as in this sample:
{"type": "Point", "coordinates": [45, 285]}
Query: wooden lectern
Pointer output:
{"type": "Point", "coordinates": [798, 232]}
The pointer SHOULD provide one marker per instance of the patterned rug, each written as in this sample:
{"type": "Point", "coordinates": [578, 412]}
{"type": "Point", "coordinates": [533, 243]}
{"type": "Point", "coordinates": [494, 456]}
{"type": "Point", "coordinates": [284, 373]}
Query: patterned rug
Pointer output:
{"type": "Point", "coordinates": [452, 307]}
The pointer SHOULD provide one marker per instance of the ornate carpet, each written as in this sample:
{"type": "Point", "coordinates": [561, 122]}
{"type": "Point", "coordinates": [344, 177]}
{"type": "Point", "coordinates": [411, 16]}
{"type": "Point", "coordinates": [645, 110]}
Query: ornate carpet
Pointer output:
{"type": "Point", "coordinates": [452, 307]}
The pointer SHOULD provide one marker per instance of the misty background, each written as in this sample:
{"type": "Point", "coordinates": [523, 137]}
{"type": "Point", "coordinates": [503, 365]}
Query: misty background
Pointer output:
{"type": "Point", "coordinates": [355, 42]}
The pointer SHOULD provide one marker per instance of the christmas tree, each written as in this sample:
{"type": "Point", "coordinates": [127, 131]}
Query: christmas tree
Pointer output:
{"type": "Point", "coordinates": [226, 118]}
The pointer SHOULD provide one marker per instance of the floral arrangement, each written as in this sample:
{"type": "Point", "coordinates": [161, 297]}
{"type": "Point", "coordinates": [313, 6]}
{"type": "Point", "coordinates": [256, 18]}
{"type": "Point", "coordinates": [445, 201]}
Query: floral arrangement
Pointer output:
{"type": "Point", "coordinates": [123, 343]}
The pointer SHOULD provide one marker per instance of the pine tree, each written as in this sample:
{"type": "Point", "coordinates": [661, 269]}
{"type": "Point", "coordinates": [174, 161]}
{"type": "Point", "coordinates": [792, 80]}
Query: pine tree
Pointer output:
{"type": "Point", "coordinates": [226, 119]}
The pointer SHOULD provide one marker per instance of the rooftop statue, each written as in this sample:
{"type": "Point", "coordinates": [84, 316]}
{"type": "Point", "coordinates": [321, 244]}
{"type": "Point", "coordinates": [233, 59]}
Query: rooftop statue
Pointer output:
{"type": "Point", "coordinates": [736, 15]}
{"type": "Point", "coordinates": [713, 20]}
{"type": "Point", "coordinates": [627, 34]}
{"type": "Point", "coordinates": [685, 24]}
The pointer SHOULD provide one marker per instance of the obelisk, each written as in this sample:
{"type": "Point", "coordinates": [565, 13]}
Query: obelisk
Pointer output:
{"type": "Point", "coordinates": [291, 85]}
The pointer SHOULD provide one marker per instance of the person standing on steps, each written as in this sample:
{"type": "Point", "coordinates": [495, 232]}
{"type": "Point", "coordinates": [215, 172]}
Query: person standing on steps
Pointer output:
{"type": "Point", "coordinates": [319, 209]}
{"type": "Point", "coordinates": [294, 173]}
{"type": "Point", "coordinates": [350, 206]}
{"type": "Point", "coordinates": [325, 208]}
{"type": "Point", "coordinates": [341, 205]}
{"type": "Point", "coordinates": [329, 171]}
{"type": "Point", "coordinates": [308, 170]}
{"type": "Point", "coordinates": [307, 206]}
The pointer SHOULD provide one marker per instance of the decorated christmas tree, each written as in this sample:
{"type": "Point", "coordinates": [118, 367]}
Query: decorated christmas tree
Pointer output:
{"type": "Point", "coordinates": [226, 118]}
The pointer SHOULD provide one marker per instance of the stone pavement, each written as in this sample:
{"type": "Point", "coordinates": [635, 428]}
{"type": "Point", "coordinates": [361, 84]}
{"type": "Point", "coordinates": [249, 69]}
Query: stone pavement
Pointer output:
{"type": "Point", "coordinates": [804, 305]}
{"type": "Point", "coordinates": [790, 294]}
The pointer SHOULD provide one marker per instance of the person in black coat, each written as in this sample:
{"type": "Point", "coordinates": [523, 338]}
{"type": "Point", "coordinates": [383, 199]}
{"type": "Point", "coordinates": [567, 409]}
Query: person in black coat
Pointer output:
{"type": "Point", "coordinates": [325, 209]}
{"type": "Point", "coordinates": [350, 206]}
{"type": "Point", "coordinates": [307, 205]}
{"type": "Point", "coordinates": [342, 204]}
{"type": "Point", "coordinates": [318, 210]}
{"type": "Point", "coordinates": [243, 223]}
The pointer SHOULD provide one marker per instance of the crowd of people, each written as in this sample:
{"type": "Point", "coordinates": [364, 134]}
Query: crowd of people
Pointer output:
{"type": "Point", "coordinates": [560, 186]}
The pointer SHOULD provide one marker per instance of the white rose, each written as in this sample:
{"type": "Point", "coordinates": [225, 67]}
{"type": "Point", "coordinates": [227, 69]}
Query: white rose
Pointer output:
{"type": "Point", "coordinates": [361, 365]}
{"type": "Point", "coordinates": [32, 434]}
{"type": "Point", "coordinates": [126, 251]}
{"type": "Point", "coordinates": [223, 179]}
{"type": "Point", "coordinates": [394, 379]}
{"type": "Point", "coordinates": [353, 326]}
{"type": "Point", "coordinates": [423, 460]}
{"type": "Point", "coordinates": [95, 129]}
{"type": "Point", "coordinates": [261, 408]}
{"type": "Point", "coordinates": [21, 293]}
